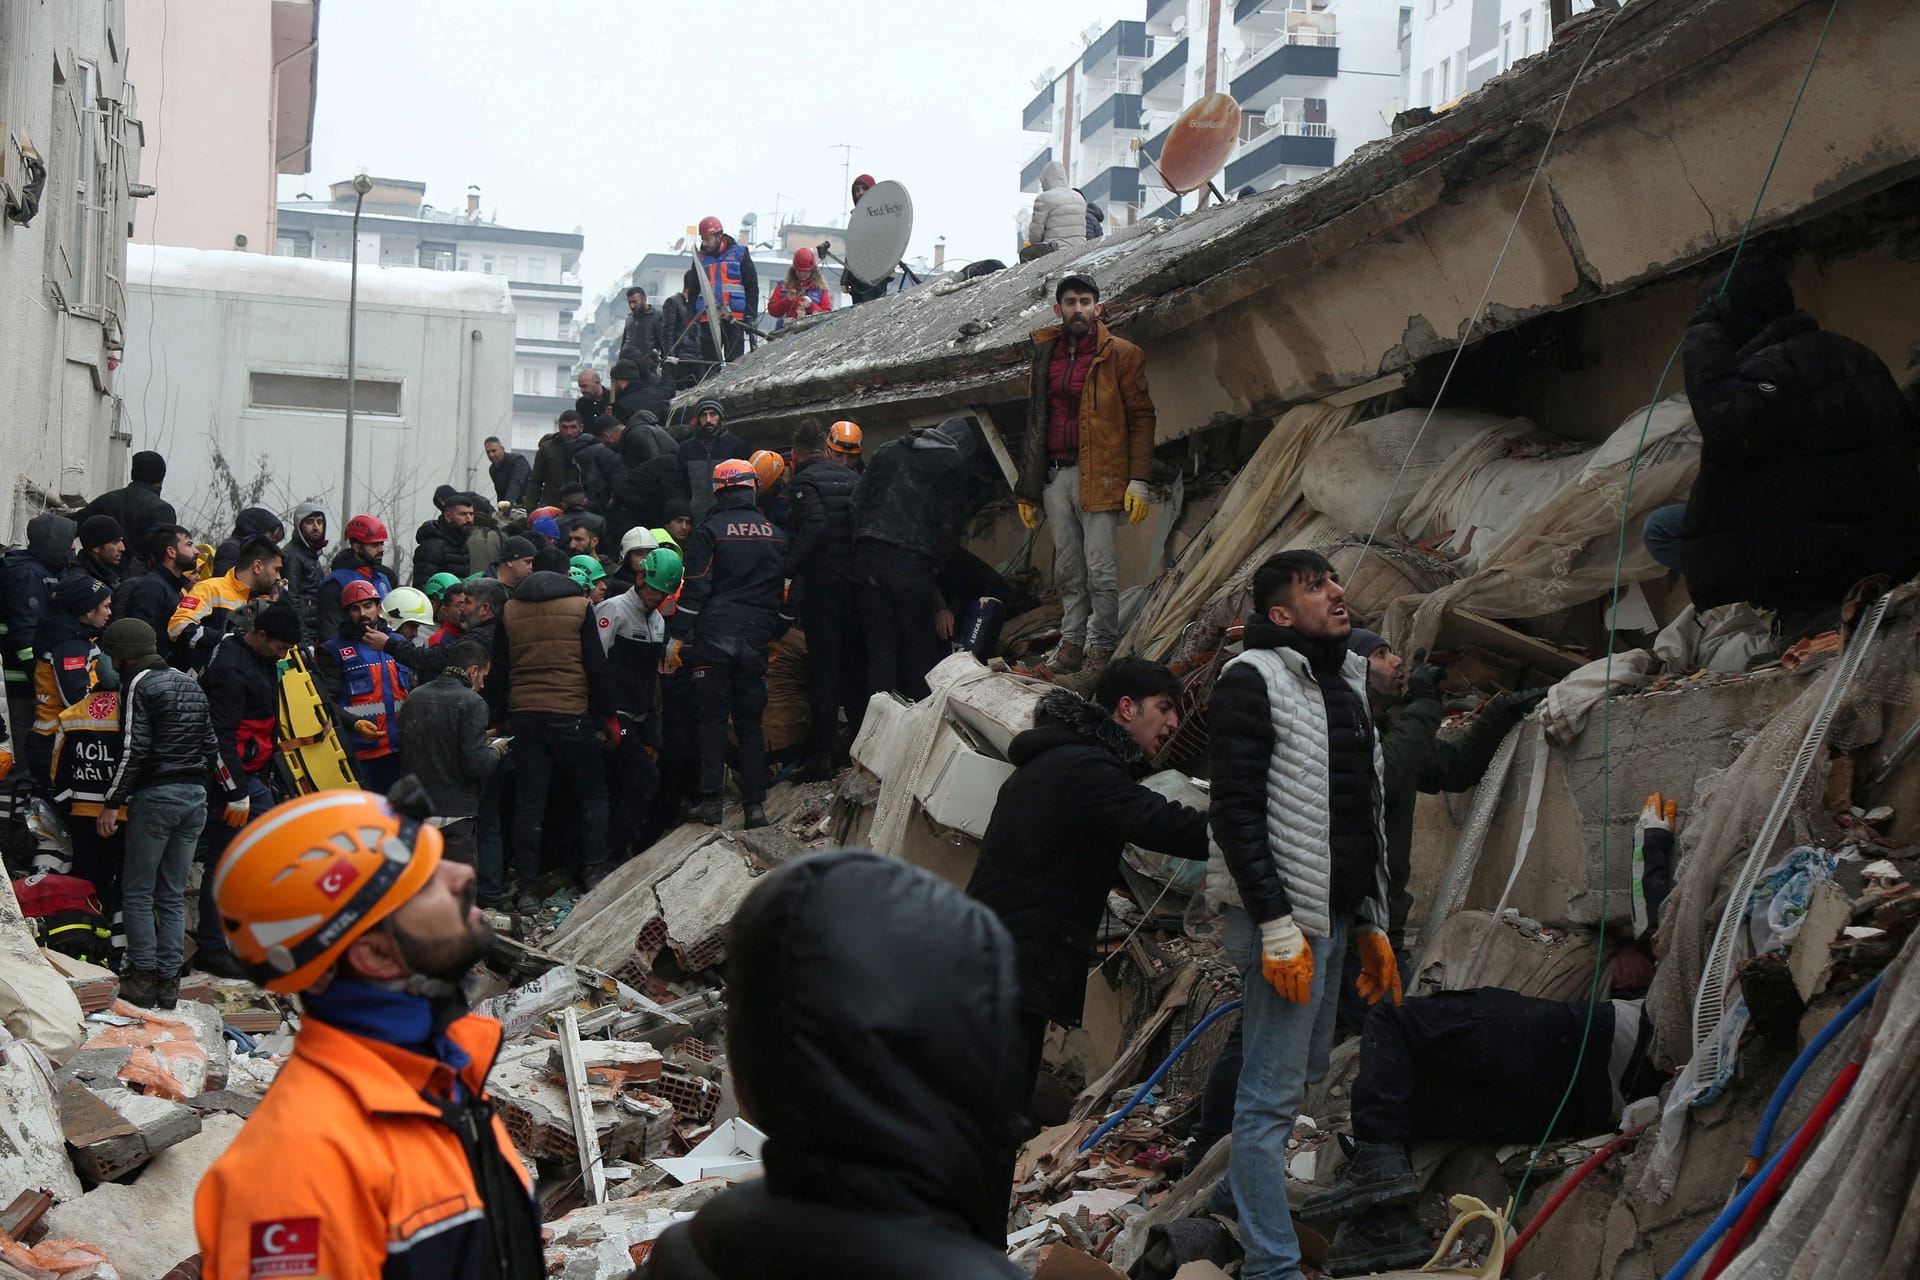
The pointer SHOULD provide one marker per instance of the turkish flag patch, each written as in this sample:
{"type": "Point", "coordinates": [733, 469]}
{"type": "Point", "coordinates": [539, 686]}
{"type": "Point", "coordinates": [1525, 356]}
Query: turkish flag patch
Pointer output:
{"type": "Point", "coordinates": [346, 651]}
{"type": "Point", "coordinates": [285, 1247]}
{"type": "Point", "coordinates": [605, 623]}
{"type": "Point", "coordinates": [336, 879]}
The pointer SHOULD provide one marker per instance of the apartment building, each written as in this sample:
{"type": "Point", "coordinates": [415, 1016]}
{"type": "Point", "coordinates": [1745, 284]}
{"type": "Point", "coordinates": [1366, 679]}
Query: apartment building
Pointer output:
{"type": "Point", "coordinates": [398, 228]}
{"type": "Point", "coordinates": [1314, 78]}
{"type": "Point", "coordinates": [1455, 46]}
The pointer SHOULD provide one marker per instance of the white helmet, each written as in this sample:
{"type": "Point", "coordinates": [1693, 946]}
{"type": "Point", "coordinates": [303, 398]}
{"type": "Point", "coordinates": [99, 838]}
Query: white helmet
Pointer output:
{"type": "Point", "coordinates": [637, 539]}
{"type": "Point", "coordinates": [407, 604]}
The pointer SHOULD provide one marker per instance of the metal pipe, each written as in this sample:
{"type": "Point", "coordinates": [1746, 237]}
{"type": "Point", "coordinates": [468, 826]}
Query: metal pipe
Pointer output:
{"type": "Point", "coordinates": [361, 185]}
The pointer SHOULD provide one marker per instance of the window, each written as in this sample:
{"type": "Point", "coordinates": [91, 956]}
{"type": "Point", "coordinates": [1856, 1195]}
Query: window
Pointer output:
{"type": "Point", "coordinates": [537, 270]}
{"type": "Point", "coordinates": [486, 264]}
{"type": "Point", "coordinates": [83, 163]}
{"type": "Point", "coordinates": [1506, 45]}
{"type": "Point", "coordinates": [322, 393]}
{"type": "Point", "coordinates": [1460, 70]}
{"type": "Point", "coordinates": [1426, 87]}
{"type": "Point", "coordinates": [530, 382]}
{"type": "Point", "coordinates": [566, 322]}
{"type": "Point", "coordinates": [1446, 74]}
{"type": "Point", "coordinates": [293, 244]}
{"type": "Point", "coordinates": [466, 262]}
{"type": "Point", "coordinates": [436, 257]}
{"type": "Point", "coordinates": [1526, 32]}
{"type": "Point", "coordinates": [563, 380]}
{"type": "Point", "coordinates": [510, 267]}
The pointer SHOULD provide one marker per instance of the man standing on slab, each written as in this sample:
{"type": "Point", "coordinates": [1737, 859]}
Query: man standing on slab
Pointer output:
{"type": "Point", "coordinates": [1086, 461]}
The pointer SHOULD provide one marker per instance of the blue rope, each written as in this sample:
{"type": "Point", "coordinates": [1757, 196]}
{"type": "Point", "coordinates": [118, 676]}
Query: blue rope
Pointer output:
{"type": "Point", "coordinates": [1159, 1071]}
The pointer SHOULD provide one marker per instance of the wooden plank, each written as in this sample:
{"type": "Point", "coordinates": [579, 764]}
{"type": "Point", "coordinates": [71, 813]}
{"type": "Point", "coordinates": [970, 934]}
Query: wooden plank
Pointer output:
{"type": "Point", "coordinates": [1462, 626]}
{"type": "Point", "coordinates": [580, 1110]}
{"type": "Point", "coordinates": [997, 445]}
{"type": "Point", "coordinates": [1129, 1060]}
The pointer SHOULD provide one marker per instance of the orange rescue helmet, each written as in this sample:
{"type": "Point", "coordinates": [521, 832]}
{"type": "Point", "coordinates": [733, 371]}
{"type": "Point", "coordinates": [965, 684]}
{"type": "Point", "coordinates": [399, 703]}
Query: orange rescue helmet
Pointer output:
{"type": "Point", "coordinates": [768, 467]}
{"type": "Point", "coordinates": [309, 876]}
{"type": "Point", "coordinates": [844, 437]}
{"type": "Point", "coordinates": [733, 471]}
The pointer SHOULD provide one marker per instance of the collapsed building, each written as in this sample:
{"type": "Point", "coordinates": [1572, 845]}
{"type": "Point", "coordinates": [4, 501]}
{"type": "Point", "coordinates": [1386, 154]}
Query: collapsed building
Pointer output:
{"type": "Point", "coordinates": [1297, 344]}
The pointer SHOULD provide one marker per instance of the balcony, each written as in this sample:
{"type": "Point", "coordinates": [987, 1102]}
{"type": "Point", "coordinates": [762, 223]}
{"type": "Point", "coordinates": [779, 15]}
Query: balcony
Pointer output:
{"type": "Point", "coordinates": [1162, 13]}
{"type": "Point", "coordinates": [1116, 185]}
{"type": "Point", "coordinates": [1273, 15]}
{"type": "Point", "coordinates": [1038, 117]}
{"type": "Point", "coordinates": [1121, 40]}
{"type": "Point", "coordinates": [1164, 78]}
{"type": "Point", "coordinates": [1030, 171]}
{"type": "Point", "coordinates": [1259, 76]}
{"type": "Point", "coordinates": [1121, 111]}
{"type": "Point", "coordinates": [1293, 144]}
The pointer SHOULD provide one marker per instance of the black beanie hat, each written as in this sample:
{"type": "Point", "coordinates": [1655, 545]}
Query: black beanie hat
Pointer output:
{"type": "Point", "coordinates": [78, 596]}
{"type": "Point", "coordinates": [98, 531]}
{"type": "Point", "coordinates": [279, 620]}
{"type": "Point", "coordinates": [149, 467]}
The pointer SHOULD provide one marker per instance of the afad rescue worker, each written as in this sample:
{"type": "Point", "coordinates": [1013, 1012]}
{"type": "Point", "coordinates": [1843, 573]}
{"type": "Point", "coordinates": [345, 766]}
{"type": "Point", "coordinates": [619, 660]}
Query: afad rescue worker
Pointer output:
{"type": "Point", "coordinates": [730, 611]}
{"type": "Point", "coordinates": [366, 688]}
{"type": "Point", "coordinates": [377, 1152]}
{"type": "Point", "coordinates": [900, 1171]}
{"type": "Point", "coordinates": [1087, 459]}
{"type": "Point", "coordinates": [1053, 845]}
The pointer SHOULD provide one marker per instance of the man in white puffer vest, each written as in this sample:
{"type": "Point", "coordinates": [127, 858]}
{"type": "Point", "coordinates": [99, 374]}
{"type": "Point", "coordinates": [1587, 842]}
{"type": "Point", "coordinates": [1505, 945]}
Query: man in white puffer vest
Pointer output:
{"type": "Point", "coordinates": [1296, 808]}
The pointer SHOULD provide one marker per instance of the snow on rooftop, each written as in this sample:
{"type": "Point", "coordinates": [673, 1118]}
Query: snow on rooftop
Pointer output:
{"type": "Point", "coordinates": [262, 275]}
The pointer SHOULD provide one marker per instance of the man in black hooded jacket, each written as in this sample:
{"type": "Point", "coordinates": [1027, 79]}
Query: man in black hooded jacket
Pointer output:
{"type": "Point", "coordinates": [1808, 474]}
{"type": "Point", "coordinates": [137, 506]}
{"type": "Point", "coordinates": [1052, 847]}
{"type": "Point", "coordinates": [820, 562]}
{"type": "Point", "coordinates": [26, 601]}
{"type": "Point", "coordinates": [901, 1170]}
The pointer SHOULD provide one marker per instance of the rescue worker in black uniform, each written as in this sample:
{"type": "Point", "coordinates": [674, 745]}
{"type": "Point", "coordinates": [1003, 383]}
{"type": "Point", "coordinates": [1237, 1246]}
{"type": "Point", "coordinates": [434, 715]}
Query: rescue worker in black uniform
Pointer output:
{"type": "Point", "coordinates": [730, 611]}
{"type": "Point", "coordinates": [820, 560]}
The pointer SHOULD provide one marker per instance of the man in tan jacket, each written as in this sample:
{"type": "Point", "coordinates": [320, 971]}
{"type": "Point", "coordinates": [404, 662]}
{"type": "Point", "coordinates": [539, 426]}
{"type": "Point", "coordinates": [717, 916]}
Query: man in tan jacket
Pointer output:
{"type": "Point", "coordinates": [1086, 460]}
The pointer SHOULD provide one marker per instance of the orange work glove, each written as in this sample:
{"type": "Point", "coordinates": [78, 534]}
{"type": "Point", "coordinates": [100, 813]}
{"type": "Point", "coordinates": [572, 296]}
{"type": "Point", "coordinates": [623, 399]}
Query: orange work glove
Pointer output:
{"type": "Point", "coordinates": [1286, 960]}
{"type": "Point", "coordinates": [1379, 970]}
{"type": "Point", "coordinates": [6, 763]}
{"type": "Point", "coordinates": [238, 812]}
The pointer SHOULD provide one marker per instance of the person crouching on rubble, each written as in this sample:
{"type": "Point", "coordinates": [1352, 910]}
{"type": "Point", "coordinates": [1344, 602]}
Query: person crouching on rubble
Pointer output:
{"type": "Point", "coordinates": [1295, 808]}
{"type": "Point", "coordinates": [871, 1032]}
{"type": "Point", "coordinates": [377, 1151]}
{"type": "Point", "coordinates": [1808, 476]}
{"type": "Point", "coordinates": [1053, 844]}
{"type": "Point", "coordinates": [1487, 1066]}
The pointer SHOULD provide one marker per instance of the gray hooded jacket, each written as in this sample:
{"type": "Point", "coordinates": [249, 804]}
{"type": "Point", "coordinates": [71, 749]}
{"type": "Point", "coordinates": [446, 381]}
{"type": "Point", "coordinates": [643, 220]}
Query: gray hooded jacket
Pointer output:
{"type": "Point", "coordinates": [1059, 212]}
{"type": "Point", "coordinates": [306, 566]}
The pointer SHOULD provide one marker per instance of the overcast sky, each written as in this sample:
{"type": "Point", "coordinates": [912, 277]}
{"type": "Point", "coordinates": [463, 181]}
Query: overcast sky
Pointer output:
{"type": "Point", "coordinates": [631, 119]}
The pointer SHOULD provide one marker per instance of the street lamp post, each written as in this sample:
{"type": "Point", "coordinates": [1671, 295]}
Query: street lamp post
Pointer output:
{"type": "Point", "coordinates": [361, 185]}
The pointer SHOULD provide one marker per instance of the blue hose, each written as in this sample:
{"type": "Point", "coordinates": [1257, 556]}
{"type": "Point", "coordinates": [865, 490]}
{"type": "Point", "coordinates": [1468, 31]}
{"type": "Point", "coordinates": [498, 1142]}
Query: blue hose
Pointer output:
{"type": "Point", "coordinates": [1808, 1055]}
{"type": "Point", "coordinates": [1728, 1216]}
{"type": "Point", "coordinates": [1158, 1071]}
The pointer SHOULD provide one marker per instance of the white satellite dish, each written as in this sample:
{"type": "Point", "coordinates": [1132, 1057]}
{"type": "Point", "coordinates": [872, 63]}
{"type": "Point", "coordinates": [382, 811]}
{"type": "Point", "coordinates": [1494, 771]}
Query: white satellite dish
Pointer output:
{"type": "Point", "coordinates": [882, 226]}
{"type": "Point", "coordinates": [1273, 116]}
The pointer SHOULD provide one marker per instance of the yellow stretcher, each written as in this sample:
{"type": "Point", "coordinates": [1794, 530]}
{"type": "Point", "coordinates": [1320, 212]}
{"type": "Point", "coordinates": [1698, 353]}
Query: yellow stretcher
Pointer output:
{"type": "Point", "coordinates": [311, 755]}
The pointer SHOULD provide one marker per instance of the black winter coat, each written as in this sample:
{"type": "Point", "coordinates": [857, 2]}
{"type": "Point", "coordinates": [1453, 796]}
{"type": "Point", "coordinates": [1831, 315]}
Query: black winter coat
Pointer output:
{"type": "Point", "coordinates": [440, 548]}
{"type": "Point", "coordinates": [152, 598]}
{"type": "Point", "coordinates": [899, 1170]}
{"type": "Point", "coordinates": [26, 593]}
{"type": "Point", "coordinates": [915, 490]}
{"type": "Point", "coordinates": [329, 616]}
{"type": "Point", "coordinates": [820, 513]}
{"type": "Point", "coordinates": [254, 522]}
{"type": "Point", "coordinates": [166, 736]}
{"type": "Point", "coordinates": [510, 476]}
{"type": "Point", "coordinates": [677, 335]}
{"type": "Point", "coordinates": [646, 489]}
{"type": "Point", "coordinates": [138, 508]}
{"type": "Point", "coordinates": [596, 467]}
{"type": "Point", "coordinates": [443, 742]}
{"type": "Point", "coordinates": [698, 457]}
{"type": "Point", "coordinates": [731, 600]}
{"type": "Point", "coordinates": [1808, 480]}
{"type": "Point", "coordinates": [1052, 848]}
{"type": "Point", "coordinates": [640, 339]}
{"type": "Point", "coordinates": [593, 408]}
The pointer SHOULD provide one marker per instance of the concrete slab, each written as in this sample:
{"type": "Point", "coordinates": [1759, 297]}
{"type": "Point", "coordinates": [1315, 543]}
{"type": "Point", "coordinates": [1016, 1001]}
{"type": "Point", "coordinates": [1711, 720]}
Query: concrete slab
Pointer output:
{"type": "Point", "coordinates": [146, 1227]}
{"type": "Point", "coordinates": [698, 902]}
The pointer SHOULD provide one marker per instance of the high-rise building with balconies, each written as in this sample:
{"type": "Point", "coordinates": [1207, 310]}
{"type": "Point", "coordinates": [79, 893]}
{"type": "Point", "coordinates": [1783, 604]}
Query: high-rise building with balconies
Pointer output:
{"type": "Point", "coordinates": [1314, 79]}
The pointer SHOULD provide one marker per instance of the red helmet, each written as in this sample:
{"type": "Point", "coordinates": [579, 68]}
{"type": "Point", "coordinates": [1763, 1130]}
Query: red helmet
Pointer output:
{"type": "Point", "coordinates": [710, 226]}
{"type": "Point", "coordinates": [366, 529]}
{"type": "Point", "coordinates": [803, 259]}
{"type": "Point", "coordinates": [356, 591]}
{"type": "Point", "coordinates": [731, 472]}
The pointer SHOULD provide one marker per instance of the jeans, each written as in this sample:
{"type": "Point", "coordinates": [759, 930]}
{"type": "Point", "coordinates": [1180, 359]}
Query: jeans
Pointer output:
{"type": "Point", "coordinates": [214, 839]}
{"type": "Point", "coordinates": [163, 826]}
{"type": "Point", "coordinates": [1085, 570]}
{"type": "Point", "coordinates": [1285, 1048]}
{"type": "Point", "coordinates": [546, 746]}
{"type": "Point", "coordinates": [897, 606]}
{"type": "Point", "coordinates": [1663, 533]}
{"type": "Point", "coordinates": [731, 687]}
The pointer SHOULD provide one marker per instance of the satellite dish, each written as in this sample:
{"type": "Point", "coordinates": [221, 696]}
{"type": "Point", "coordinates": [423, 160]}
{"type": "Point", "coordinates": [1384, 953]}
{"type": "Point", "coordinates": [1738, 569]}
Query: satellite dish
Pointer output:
{"type": "Point", "coordinates": [1200, 142]}
{"type": "Point", "coordinates": [749, 219]}
{"type": "Point", "coordinates": [882, 225]}
{"type": "Point", "coordinates": [1274, 115]}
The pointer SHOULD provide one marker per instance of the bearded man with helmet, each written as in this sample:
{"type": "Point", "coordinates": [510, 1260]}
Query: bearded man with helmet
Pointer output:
{"type": "Point", "coordinates": [365, 684]}
{"type": "Point", "coordinates": [736, 288]}
{"type": "Point", "coordinates": [362, 560]}
{"type": "Point", "coordinates": [377, 1152]}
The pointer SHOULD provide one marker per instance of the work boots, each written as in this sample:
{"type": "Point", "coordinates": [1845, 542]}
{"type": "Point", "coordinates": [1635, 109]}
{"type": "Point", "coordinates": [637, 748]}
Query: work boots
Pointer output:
{"type": "Point", "coordinates": [1087, 677]}
{"type": "Point", "coordinates": [166, 993]}
{"type": "Point", "coordinates": [755, 816]}
{"type": "Point", "coordinates": [1383, 1239]}
{"type": "Point", "coordinates": [138, 987]}
{"type": "Point", "coordinates": [1067, 659]}
{"type": "Point", "coordinates": [709, 812]}
{"type": "Point", "coordinates": [1378, 1174]}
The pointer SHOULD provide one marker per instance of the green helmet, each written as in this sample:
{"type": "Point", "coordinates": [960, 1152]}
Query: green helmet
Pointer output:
{"type": "Point", "coordinates": [665, 539]}
{"type": "Point", "coordinates": [662, 570]}
{"type": "Point", "coordinates": [437, 585]}
{"type": "Point", "coordinates": [585, 570]}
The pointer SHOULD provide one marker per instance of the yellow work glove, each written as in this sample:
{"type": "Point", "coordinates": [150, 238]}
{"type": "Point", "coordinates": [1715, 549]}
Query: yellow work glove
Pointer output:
{"type": "Point", "coordinates": [1137, 502]}
{"type": "Point", "coordinates": [6, 763]}
{"type": "Point", "coordinates": [1286, 960]}
{"type": "Point", "coordinates": [237, 813]}
{"type": "Point", "coordinates": [1029, 515]}
{"type": "Point", "coordinates": [1379, 970]}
